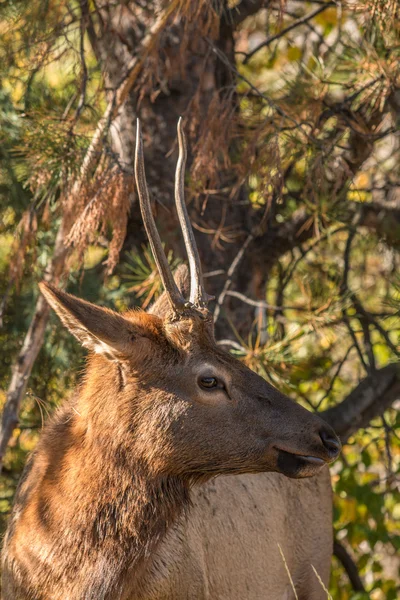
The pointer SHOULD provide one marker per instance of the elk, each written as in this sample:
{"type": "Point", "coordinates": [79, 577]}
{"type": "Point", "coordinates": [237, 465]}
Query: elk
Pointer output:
{"type": "Point", "coordinates": [120, 499]}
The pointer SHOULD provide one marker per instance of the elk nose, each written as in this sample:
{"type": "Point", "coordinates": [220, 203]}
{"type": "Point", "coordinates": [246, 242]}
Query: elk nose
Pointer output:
{"type": "Point", "coordinates": [331, 442]}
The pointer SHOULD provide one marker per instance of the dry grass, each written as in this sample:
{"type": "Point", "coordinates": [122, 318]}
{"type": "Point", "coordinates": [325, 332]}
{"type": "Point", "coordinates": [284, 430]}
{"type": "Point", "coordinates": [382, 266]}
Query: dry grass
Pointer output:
{"type": "Point", "coordinates": [328, 596]}
{"type": "Point", "coordinates": [288, 572]}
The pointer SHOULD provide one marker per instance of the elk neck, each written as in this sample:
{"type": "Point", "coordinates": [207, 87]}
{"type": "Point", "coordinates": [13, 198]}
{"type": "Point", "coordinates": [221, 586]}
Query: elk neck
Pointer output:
{"type": "Point", "coordinates": [93, 467]}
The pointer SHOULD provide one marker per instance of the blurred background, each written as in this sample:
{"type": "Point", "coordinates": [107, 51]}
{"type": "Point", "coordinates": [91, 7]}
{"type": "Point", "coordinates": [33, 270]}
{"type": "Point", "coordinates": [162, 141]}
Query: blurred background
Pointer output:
{"type": "Point", "coordinates": [292, 113]}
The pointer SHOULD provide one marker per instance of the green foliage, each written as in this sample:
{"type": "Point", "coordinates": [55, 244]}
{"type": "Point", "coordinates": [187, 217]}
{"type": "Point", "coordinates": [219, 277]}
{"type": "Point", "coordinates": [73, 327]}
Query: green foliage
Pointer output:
{"type": "Point", "coordinates": [140, 275]}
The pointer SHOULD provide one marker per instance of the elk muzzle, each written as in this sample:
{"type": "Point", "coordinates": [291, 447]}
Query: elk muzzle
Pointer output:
{"type": "Point", "coordinates": [325, 447]}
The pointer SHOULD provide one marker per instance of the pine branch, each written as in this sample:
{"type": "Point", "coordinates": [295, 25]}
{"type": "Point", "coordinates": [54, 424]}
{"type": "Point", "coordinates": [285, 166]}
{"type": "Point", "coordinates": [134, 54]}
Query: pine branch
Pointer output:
{"type": "Point", "coordinates": [383, 220]}
{"type": "Point", "coordinates": [297, 23]}
{"type": "Point", "coordinates": [369, 399]}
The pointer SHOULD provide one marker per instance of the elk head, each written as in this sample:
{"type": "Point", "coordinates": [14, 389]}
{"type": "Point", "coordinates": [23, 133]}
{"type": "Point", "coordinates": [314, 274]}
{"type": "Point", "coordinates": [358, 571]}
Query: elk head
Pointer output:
{"type": "Point", "coordinates": [182, 405]}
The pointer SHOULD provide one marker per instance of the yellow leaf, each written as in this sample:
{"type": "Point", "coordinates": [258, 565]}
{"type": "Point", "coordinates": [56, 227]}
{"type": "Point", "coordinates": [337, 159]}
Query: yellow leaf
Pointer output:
{"type": "Point", "coordinates": [293, 53]}
{"type": "Point", "coordinates": [360, 181]}
{"type": "Point", "coordinates": [328, 17]}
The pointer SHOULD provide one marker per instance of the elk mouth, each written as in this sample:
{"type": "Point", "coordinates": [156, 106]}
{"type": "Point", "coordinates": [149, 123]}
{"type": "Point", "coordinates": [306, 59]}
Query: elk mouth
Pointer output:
{"type": "Point", "coordinates": [297, 465]}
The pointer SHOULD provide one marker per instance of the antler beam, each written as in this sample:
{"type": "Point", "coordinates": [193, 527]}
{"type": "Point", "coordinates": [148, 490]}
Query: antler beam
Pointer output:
{"type": "Point", "coordinates": [176, 299]}
{"type": "Point", "coordinates": [198, 296]}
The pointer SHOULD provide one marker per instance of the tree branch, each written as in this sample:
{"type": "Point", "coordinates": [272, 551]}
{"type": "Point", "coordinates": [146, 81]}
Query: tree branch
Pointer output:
{"type": "Point", "coordinates": [297, 23]}
{"type": "Point", "coordinates": [369, 399]}
{"type": "Point", "coordinates": [33, 342]}
{"type": "Point", "coordinates": [382, 219]}
{"type": "Point", "coordinates": [349, 566]}
{"type": "Point", "coordinates": [230, 273]}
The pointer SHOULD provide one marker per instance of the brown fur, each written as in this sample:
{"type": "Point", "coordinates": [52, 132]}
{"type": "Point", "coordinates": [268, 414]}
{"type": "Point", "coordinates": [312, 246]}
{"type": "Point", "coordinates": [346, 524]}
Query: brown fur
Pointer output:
{"type": "Point", "coordinates": [110, 505]}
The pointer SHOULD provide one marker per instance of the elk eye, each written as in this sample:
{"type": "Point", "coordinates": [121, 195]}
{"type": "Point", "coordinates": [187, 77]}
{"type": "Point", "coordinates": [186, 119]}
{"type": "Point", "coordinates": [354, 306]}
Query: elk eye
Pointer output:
{"type": "Point", "coordinates": [208, 382]}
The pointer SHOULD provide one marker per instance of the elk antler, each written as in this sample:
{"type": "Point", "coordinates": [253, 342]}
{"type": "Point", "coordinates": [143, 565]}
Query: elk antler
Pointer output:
{"type": "Point", "coordinates": [198, 296]}
{"type": "Point", "coordinates": [176, 299]}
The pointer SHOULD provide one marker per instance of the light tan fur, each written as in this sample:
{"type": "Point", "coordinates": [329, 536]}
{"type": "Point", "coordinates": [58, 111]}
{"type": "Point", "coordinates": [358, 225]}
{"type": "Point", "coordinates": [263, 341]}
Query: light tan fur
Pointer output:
{"type": "Point", "coordinates": [228, 547]}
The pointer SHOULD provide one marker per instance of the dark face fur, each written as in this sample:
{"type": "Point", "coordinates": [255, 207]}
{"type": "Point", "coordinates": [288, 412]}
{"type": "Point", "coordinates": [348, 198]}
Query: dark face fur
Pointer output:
{"type": "Point", "coordinates": [211, 415]}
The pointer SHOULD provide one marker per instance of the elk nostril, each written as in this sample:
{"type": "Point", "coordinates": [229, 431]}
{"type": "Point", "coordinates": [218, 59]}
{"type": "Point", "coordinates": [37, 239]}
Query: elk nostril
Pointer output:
{"type": "Point", "coordinates": [331, 442]}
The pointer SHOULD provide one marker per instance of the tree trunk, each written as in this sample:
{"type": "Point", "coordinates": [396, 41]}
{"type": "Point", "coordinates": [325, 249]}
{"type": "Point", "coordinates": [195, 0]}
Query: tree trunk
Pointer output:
{"type": "Point", "coordinates": [194, 81]}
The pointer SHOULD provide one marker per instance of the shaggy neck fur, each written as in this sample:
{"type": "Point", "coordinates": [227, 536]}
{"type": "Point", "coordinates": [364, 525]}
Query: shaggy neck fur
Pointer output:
{"type": "Point", "coordinates": [95, 496]}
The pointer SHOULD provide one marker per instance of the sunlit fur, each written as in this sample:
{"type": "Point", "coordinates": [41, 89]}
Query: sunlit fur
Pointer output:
{"type": "Point", "coordinates": [109, 499]}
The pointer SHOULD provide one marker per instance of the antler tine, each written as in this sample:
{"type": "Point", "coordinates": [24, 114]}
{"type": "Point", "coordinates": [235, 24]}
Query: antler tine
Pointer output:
{"type": "Point", "coordinates": [176, 299]}
{"type": "Point", "coordinates": [198, 296]}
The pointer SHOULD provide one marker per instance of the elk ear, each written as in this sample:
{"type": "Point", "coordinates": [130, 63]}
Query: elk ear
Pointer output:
{"type": "Point", "coordinates": [161, 306]}
{"type": "Point", "coordinates": [99, 329]}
